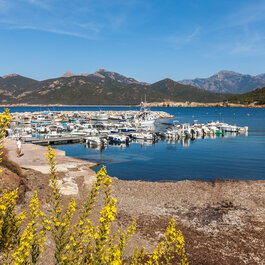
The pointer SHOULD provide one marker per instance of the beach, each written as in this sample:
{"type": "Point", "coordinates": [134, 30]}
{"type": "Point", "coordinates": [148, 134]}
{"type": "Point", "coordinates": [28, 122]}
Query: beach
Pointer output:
{"type": "Point", "coordinates": [222, 221]}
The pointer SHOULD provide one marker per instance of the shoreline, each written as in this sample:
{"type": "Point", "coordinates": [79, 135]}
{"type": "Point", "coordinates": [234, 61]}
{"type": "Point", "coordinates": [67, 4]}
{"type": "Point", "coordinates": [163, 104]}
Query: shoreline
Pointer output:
{"type": "Point", "coordinates": [168, 104]}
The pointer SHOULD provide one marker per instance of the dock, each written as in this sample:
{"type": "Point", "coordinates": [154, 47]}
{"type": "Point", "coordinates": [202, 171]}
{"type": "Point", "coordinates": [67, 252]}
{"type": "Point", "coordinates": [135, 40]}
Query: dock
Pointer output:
{"type": "Point", "coordinates": [58, 140]}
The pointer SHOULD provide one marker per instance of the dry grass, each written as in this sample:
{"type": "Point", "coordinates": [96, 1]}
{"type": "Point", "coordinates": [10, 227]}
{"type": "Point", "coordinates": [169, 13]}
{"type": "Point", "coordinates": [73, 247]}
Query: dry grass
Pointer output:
{"type": "Point", "coordinates": [12, 166]}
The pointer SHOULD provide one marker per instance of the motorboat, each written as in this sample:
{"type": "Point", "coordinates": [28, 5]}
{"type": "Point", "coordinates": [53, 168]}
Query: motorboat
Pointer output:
{"type": "Point", "coordinates": [95, 140]}
{"type": "Point", "coordinates": [117, 138]}
{"type": "Point", "coordinates": [142, 135]}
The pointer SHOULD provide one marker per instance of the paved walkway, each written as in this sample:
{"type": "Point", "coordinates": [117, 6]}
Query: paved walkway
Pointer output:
{"type": "Point", "coordinates": [35, 158]}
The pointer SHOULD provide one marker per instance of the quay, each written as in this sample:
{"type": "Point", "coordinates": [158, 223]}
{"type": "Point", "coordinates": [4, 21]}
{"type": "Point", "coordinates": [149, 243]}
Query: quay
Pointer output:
{"type": "Point", "coordinates": [34, 158]}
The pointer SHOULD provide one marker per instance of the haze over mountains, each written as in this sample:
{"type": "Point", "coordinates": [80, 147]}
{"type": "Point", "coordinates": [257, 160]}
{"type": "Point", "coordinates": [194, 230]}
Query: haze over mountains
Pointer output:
{"type": "Point", "coordinates": [105, 87]}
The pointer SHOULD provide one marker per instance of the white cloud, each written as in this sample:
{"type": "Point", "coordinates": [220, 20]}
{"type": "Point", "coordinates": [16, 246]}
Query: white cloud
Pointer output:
{"type": "Point", "coordinates": [251, 46]}
{"type": "Point", "coordinates": [89, 26]}
{"type": "Point", "coordinates": [176, 39]}
{"type": "Point", "coordinates": [191, 36]}
{"type": "Point", "coordinates": [54, 30]}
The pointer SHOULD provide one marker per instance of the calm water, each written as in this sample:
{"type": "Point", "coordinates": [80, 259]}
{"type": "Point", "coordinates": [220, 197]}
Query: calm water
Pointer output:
{"type": "Point", "coordinates": [239, 157]}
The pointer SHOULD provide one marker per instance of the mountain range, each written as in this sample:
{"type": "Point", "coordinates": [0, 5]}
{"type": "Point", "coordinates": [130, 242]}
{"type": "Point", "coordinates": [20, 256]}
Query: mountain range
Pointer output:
{"type": "Point", "coordinates": [105, 87]}
{"type": "Point", "coordinates": [227, 82]}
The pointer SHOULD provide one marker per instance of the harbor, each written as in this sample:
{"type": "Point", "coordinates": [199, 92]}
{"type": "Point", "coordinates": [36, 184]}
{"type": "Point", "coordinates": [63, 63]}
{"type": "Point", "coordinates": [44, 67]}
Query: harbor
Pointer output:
{"type": "Point", "coordinates": [100, 128]}
{"type": "Point", "coordinates": [177, 144]}
{"type": "Point", "coordinates": [132, 132]}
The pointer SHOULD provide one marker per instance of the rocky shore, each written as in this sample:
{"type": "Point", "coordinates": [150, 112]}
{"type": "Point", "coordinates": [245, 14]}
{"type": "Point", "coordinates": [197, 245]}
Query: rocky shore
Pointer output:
{"type": "Point", "coordinates": [223, 222]}
{"type": "Point", "coordinates": [199, 104]}
{"type": "Point", "coordinates": [152, 104]}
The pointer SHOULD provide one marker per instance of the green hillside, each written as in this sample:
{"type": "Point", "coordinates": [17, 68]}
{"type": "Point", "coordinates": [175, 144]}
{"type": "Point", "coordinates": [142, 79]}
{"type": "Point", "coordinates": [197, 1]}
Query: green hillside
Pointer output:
{"type": "Point", "coordinates": [178, 92]}
{"type": "Point", "coordinates": [98, 89]}
{"type": "Point", "coordinates": [257, 96]}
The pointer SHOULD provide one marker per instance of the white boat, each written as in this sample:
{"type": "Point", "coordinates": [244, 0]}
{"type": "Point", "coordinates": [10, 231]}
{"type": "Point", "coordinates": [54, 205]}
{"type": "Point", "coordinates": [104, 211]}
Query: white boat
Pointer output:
{"type": "Point", "coordinates": [100, 116]}
{"type": "Point", "coordinates": [117, 138]}
{"type": "Point", "coordinates": [145, 136]}
{"type": "Point", "coordinates": [172, 135]}
{"type": "Point", "coordinates": [95, 140]}
{"type": "Point", "coordinates": [115, 117]}
{"type": "Point", "coordinates": [52, 134]}
{"type": "Point", "coordinates": [42, 129]}
{"type": "Point", "coordinates": [197, 131]}
{"type": "Point", "coordinates": [145, 118]}
{"type": "Point", "coordinates": [206, 130]}
{"type": "Point", "coordinates": [229, 128]}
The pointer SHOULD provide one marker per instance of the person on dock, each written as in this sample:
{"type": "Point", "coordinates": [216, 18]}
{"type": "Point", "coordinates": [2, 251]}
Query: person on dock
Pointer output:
{"type": "Point", "coordinates": [19, 147]}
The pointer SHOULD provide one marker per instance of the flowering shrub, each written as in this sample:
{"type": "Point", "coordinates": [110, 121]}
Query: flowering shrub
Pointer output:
{"type": "Point", "coordinates": [4, 121]}
{"type": "Point", "coordinates": [82, 242]}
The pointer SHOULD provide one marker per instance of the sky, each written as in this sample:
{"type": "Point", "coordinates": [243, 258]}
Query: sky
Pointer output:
{"type": "Point", "coordinates": [148, 40]}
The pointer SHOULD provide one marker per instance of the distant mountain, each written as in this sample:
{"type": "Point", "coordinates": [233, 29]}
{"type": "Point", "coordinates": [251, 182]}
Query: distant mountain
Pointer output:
{"type": "Point", "coordinates": [117, 77]}
{"type": "Point", "coordinates": [262, 76]}
{"type": "Point", "coordinates": [14, 86]}
{"type": "Point", "coordinates": [101, 88]}
{"type": "Point", "coordinates": [227, 82]}
{"type": "Point", "coordinates": [180, 92]}
{"type": "Point", "coordinates": [102, 73]}
{"type": "Point", "coordinates": [16, 83]}
{"type": "Point", "coordinates": [68, 74]}
{"type": "Point", "coordinates": [257, 96]}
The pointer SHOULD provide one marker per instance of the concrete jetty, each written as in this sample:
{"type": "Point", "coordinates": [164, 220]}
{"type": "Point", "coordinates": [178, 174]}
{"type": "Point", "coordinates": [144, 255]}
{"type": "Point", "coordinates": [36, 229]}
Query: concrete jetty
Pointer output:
{"type": "Point", "coordinates": [34, 157]}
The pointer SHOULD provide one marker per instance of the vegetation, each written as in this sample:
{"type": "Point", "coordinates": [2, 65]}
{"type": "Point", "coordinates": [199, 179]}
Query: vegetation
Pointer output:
{"type": "Point", "coordinates": [257, 96]}
{"type": "Point", "coordinates": [96, 90]}
{"type": "Point", "coordinates": [4, 121]}
{"type": "Point", "coordinates": [75, 243]}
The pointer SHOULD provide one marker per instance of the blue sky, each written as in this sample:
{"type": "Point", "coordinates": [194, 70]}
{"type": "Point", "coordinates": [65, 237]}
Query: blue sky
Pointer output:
{"type": "Point", "coordinates": [145, 39]}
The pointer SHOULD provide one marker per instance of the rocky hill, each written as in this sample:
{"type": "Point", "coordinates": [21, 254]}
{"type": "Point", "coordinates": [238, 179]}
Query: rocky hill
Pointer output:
{"type": "Point", "coordinates": [101, 88]}
{"type": "Point", "coordinates": [228, 82]}
{"type": "Point", "coordinates": [102, 73]}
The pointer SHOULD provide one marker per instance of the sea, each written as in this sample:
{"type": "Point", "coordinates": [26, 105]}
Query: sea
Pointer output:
{"type": "Point", "coordinates": [238, 157]}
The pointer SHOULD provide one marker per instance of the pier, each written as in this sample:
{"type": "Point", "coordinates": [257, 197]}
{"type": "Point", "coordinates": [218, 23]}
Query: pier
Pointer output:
{"type": "Point", "coordinates": [58, 140]}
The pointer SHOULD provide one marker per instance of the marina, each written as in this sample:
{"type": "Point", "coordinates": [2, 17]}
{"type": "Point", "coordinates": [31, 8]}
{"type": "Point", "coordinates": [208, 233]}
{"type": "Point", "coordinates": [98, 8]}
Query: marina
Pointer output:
{"type": "Point", "coordinates": [182, 143]}
{"type": "Point", "coordinates": [100, 128]}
